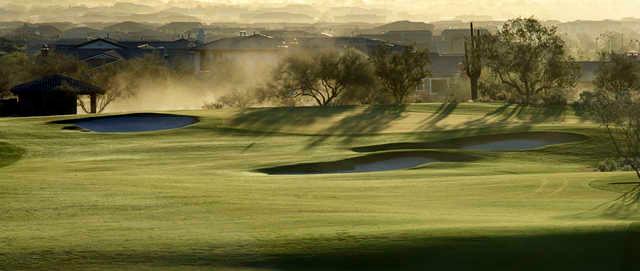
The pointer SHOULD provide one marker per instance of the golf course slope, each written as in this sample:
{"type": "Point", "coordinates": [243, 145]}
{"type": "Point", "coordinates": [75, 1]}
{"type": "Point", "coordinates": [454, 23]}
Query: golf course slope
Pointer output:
{"type": "Point", "coordinates": [195, 198]}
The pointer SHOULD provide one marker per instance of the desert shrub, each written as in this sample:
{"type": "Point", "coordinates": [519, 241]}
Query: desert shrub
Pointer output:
{"type": "Point", "coordinates": [424, 97]}
{"type": "Point", "coordinates": [611, 165]}
{"type": "Point", "coordinates": [584, 102]}
{"type": "Point", "coordinates": [212, 106]}
{"type": "Point", "coordinates": [459, 90]}
{"type": "Point", "coordinates": [491, 89]}
{"type": "Point", "coordinates": [556, 97]}
{"type": "Point", "coordinates": [237, 99]}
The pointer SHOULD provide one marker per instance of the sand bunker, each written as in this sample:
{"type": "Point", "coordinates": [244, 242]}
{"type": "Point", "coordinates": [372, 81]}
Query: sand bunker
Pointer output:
{"type": "Point", "coordinates": [371, 163]}
{"type": "Point", "coordinates": [140, 122]}
{"type": "Point", "coordinates": [499, 142]}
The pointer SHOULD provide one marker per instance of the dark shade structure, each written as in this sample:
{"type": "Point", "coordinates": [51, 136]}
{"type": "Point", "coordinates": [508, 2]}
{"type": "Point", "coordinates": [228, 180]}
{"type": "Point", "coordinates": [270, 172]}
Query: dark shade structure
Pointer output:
{"type": "Point", "coordinates": [54, 95]}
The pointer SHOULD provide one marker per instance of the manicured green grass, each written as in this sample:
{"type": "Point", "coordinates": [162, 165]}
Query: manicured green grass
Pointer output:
{"type": "Point", "coordinates": [191, 199]}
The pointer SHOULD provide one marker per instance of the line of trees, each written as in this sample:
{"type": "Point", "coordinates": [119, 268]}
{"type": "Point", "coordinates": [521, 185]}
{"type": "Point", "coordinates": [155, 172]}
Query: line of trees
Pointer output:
{"type": "Point", "coordinates": [525, 62]}
{"type": "Point", "coordinates": [335, 77]}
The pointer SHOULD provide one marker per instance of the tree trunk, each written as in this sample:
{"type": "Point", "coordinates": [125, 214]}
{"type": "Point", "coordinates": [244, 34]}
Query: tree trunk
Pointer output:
{"type": "Point", "coordinates": [399, 97]}
{"type": "Point", "coordinates": [94, 103]}
{"type": "Point", "coordinates": [474, 89]}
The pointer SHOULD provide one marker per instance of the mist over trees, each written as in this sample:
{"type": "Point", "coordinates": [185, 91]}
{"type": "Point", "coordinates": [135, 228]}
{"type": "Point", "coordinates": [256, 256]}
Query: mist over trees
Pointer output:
{"type": "Point", "coordinates": [120, 80]}
{"type": "Point", "coordinates": [526, 61]}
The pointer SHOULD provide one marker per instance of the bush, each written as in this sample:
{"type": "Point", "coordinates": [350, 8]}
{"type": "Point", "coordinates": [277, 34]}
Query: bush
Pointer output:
{"type": "Point", "coordinates": [237, 99]}
{"type": "Point", "coordinates": [557, 97]}
{"type": "Point", "coordinates": [584, 103]}
{"type": "Point", "coordinates": [459, 91]}
{"type": "Point", "coordinates": [233, 99]}
{"type": "Point", "coordinates": [491, 90]}
{"type": "Point", "coordinates": [212, 106]}
{"type": "Point", "coordinates": [611, 165]}
{"type": "Point", "coordinates": [424, 97]}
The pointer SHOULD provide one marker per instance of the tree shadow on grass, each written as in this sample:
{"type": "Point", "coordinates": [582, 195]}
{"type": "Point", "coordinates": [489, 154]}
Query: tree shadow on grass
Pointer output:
{"type": "Point", "coordinates": [519, 115]}
{"type": "Point", "coordinates": [9, 154]}
{"type": "Point", "coordinates": [491, 122]}
{"type": "Point", "coordinates": [614, 249]}
{"type": "Point", "coordinates": [626, 206]}
{"type": "Point", "coordinates": [517, 118]}
{"type": "Point", "coordinates": [560, 251]}
{"type": "Point", "coordinates": [522, 115]}
{"type": "Point", "coordinates": [497, 118]}
{"type": "Point", "coordinates": [372, 120]}
{"type": "Point", "coordinates": [441, 113]}
{"type": "Point", "coordinates": [270, 120]}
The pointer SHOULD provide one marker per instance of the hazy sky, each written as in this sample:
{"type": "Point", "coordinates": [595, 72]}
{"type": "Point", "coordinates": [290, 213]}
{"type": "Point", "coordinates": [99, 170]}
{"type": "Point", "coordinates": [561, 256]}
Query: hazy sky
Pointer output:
{"type": "Point", "coordinates": [434, 9]}
{"type": "Point", "coordinates": [551, 9]}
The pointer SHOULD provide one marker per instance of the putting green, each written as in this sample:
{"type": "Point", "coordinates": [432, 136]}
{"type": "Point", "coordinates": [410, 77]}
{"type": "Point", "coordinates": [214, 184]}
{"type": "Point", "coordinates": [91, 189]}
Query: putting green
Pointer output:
{"type": "Point", "coordinates": [191, 199]}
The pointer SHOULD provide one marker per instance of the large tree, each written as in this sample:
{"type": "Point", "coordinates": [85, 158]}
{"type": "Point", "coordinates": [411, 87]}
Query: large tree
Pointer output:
{"type": "Point", "coordinates": [530, 60]}
{"type": "Point", "coordinates": [322, 77]}
{"type": "Point", "coordinates": [19, 67]}
{"type": "Point", "coordinates": [400, 72]}
{"type": "Point", "coordinates": [616, 105]}
{"type": "Point", "coordinates": [12, 70]}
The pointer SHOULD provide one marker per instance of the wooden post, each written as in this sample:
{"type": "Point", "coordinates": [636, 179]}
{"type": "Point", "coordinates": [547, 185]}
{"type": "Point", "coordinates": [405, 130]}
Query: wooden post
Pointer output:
{"type": "Point", "coordinates": [94, 103]}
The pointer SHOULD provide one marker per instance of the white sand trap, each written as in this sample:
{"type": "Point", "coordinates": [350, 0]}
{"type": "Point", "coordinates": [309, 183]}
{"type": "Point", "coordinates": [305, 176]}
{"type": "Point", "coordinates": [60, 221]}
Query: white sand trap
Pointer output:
{"type": "Point", "coordinates": [371, 163]}
{"type": "Point", "coordinates": [140, 122]}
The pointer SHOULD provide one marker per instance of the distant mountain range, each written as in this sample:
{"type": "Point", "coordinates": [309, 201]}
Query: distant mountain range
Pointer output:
{"type": "Point", "coordinates": [195, 11]}
{"type": "Point", "coordinates": [325, 10]}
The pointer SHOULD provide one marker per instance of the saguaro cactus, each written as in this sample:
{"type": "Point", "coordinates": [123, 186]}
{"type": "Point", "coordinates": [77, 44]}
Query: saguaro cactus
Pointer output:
{"type": "Point", "coordinates": [473, 60]}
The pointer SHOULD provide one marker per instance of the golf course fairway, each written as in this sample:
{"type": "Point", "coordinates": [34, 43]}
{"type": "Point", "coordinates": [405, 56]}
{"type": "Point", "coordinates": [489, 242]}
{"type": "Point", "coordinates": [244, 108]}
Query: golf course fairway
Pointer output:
{"type": "Point", "coordinates": [193, 198]}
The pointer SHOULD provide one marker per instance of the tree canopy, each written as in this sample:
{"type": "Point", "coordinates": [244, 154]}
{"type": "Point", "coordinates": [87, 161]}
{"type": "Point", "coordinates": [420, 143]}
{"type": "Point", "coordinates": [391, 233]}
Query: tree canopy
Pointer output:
{"type": "Point", "coordinates": [616, 106]}
{"type": "Point", "coordinates": [19, 67]}
{"type": "Point", "coordinates": [400, 73]}
{"type": "Point", "coordinates": [323, 77]}
{"type": "Point", "coordinates": [530, 60]}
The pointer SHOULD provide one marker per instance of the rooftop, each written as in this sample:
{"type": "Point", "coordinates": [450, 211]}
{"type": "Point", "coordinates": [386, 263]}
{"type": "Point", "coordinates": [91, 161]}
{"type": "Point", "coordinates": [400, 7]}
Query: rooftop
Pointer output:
{"type": "Point", "coordinates": [57, 82]}
{"type": "Point", "coordinates": [252, 42]}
